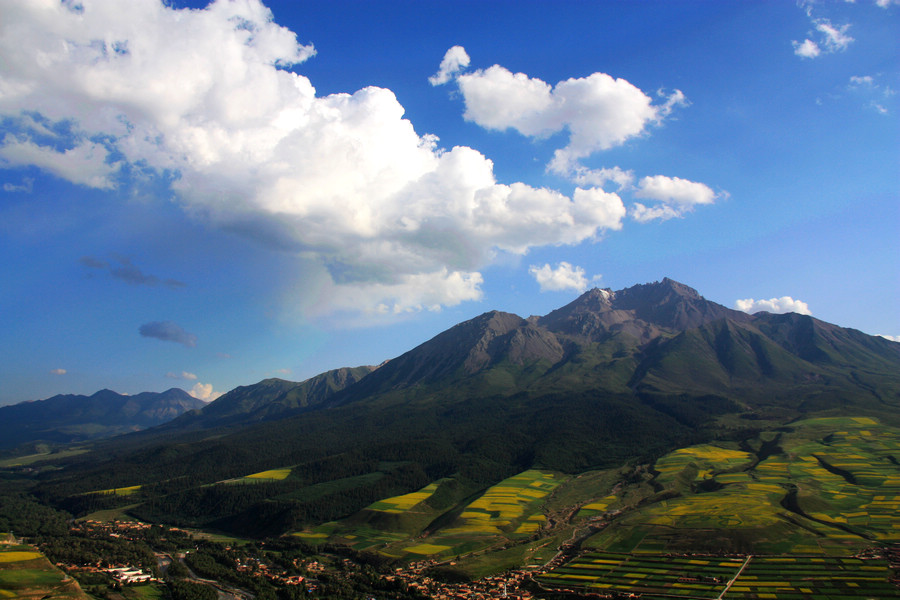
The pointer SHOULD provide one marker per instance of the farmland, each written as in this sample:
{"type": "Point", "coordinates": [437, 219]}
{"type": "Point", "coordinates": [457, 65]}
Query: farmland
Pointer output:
{"type": "Point", "coordinates": [25, 574]}
{"type": "Point", "coordinates": [751, 578]}
{"type": "Point", "coordinates": [122, 491]}
{"type": "Point", "coordinates": [512, 506]}
{"type": "Point", "coordinates": [394, 526]}
{"type": "Point", "coordinates": [824, 486]}
{"type": "Point", "coordinates": [822, 491]}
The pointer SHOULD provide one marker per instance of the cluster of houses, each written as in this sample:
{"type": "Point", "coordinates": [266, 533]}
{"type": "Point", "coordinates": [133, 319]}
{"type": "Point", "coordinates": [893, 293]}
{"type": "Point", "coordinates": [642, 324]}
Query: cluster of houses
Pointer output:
{"type": "Point", "coordinates": [508, 585]}
{"type": "Point", "coordinates": [125, 575]}
{"type": "Point", "coordinates": [257, 568]}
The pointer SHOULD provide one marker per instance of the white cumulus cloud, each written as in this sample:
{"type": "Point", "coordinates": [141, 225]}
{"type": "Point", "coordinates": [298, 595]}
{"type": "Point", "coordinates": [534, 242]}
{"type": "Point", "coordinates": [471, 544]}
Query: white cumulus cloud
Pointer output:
{"type": "Point", "coordinates": [598, 111]}
{"type": "Point", "coordinates": [785, 304]}
{"type": "Point", "coordinates": [675, 197]}
{"type": "Point", "coordinates": [807, 48]}
{"type": "Point", "coordinates": [203, 100]}
{"type": "Point", "coordinates": [454, 61]}
{"type": "Point", "coordinates": [84, 164]}
{"type": "Point", "coordinates": [893, 338]}
{"type": "Point", "coordinates": [204, 391]}
{"type": "Point", "coordinates": [563, 277]}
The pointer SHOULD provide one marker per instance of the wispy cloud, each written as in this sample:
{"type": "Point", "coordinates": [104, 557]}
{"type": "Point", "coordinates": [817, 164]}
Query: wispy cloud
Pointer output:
{"type": "Point", "coordinates": [125, 270]}
{"type": "Point", "coordinates": [830, 38]}
{"type": "Point", "coordinates": [168, 331]}
{"type": "Point", "coordinates": [183, 375]}
{"type": "Point", "coordinates": [873, 94]}
{"type": "Point", "coordinates": [26, 186]}
{"type": "Point", "coordinates": [58, 371]}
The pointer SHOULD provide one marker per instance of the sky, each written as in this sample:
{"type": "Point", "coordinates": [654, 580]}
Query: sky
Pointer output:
{"type": "Point", "coordinates": [207, 195]}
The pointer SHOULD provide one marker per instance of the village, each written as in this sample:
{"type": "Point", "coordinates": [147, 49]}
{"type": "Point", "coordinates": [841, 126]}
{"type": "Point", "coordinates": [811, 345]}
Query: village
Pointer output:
{"type": "Point", "coordinates": [283, 564]}
{"type": "Point", "coordinates": [302, 571]}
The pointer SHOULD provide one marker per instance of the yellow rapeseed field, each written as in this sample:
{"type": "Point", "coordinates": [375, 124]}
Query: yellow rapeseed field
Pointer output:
{"type": "Point", "coordinates": [18, 556]}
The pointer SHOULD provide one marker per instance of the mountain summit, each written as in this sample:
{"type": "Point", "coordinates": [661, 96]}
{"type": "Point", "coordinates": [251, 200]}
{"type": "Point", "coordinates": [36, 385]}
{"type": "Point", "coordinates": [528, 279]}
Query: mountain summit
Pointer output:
{"type": "Point", "coordinates": [655, 338]}
{"type": "Point", "coordinates": [642, 311]}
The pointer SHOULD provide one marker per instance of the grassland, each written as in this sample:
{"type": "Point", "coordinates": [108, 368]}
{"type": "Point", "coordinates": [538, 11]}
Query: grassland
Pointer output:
{"type": "Point", "coordinates": [111, 514]}
{"type": "Point", "coordinates": [30, 459]}
{"type": "Point", "coordinates": [26, 574]}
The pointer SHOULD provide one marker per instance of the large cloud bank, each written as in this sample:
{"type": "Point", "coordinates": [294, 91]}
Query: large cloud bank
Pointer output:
{"type": "Point", "coordinates": [204, 101]}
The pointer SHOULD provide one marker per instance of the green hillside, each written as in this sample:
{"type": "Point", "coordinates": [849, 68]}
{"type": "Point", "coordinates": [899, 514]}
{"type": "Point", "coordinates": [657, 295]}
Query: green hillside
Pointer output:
{"type": "Point", "coordinates": [647, 420]}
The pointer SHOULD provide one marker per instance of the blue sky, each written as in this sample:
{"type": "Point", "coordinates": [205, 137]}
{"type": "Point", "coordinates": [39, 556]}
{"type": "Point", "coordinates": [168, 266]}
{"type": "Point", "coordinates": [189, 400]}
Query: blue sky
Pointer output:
{"type": "Point", "coordinates": [205, 196]}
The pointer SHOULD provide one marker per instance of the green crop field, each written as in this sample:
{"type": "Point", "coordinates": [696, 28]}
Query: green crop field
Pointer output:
{"type": "Point", "coordinates": [394, 526]}
{"type": "Point", "coordinates": [813, 578]}
{"type": "Point", "coordinates": [276, 474]}
{"type": "Point", "coordinates": [399, 504]}
{"type": "Point", "coordinates": [512, 506]}
{"type": "Point", "coordinates": [779, 578]}
{"type": "Point", "coordinates": [830, 486]}
{"type": "Point", "coordinates": [122, 491]}
{"type": "Point", "coordinates": [26, 574]}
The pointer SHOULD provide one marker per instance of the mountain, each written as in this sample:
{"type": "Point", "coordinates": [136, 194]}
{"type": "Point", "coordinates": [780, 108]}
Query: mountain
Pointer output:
{"type": "Point", "coordinates": [613, 378]}
{"type": "Point", "coordinates": [269, 399]}
{"type": "Point", "coordinates": [69, 418]}
{"type": "Point", "coordinates": [658, 338]}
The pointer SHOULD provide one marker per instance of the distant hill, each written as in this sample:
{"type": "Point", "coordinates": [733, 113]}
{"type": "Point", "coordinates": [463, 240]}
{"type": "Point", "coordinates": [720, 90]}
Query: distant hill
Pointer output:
{"type": "Point", "coordinates": [269, 399]}
{"type": "Point", "coordinates": [71, 418]}
{"type": "Point", "coordinates": [613, 378]}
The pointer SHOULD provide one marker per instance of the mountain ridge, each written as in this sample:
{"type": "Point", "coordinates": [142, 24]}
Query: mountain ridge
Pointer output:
{"type": "Point", "coordinates": [68, 418]}
{"type": "Point", "coordinates": [612, 378]}
{"type": "Point", "coordinates": [625, 333]}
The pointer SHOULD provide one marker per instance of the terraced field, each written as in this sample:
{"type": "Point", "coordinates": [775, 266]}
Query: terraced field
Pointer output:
{"type": "Point", "coordinates": [510, 507]}
{"type": "Point", "coordinates": [829, 486]}
{"type": "Point", "coordinates": [813, 578]}
{"type": "Point", "coordinates": [754, 578]}
{"type": "Point", "coordinates": [822, 490]}
{"type": "Point", "coordinates": [394, 526]}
